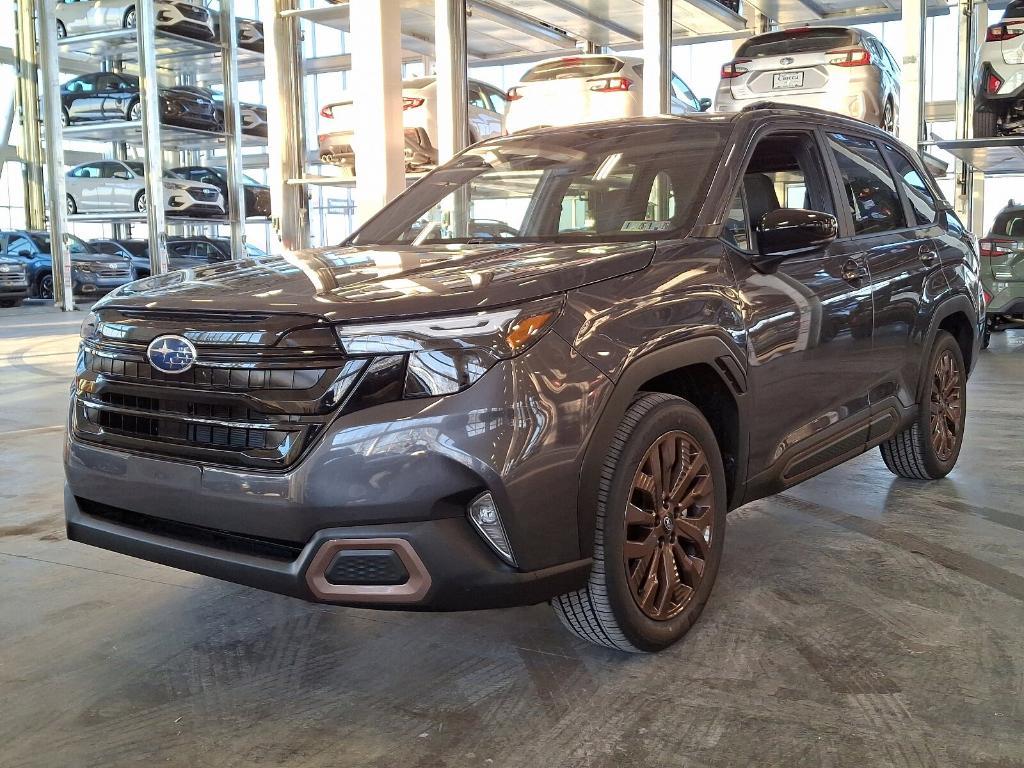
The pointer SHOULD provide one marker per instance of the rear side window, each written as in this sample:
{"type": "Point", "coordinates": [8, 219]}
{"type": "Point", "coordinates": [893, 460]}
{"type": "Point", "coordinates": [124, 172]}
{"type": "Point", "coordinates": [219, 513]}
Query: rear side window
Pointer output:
{"type": "Point", "coordinates": [573, 67]}
{"type": "Point", "coordinates": [867, 185]}
{"type": "Point", "coordinates": [1009, 224]}
{"type": "Point", "coordinates": [801, 40]}
{"type": "Point", "coordinates": [922, 203]}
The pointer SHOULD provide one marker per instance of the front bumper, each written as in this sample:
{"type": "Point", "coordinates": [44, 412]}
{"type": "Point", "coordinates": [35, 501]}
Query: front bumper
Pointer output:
{"type": "Point", "coordinates": [405, 470]}
{"type": "Point", "coordinates": [183, 204]}
{"type": "Point", "coordinates": [858, 104]}
{"type": "Point", "coordinates": [188, 22]}
{"type": "Point", "coordinates": [89, 283]}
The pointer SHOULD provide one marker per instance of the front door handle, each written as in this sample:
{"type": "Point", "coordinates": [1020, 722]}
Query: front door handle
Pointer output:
{"type": "Point", "coordinates": [928, 255]}
{"type": "Point", "coordinates": [854, 271]}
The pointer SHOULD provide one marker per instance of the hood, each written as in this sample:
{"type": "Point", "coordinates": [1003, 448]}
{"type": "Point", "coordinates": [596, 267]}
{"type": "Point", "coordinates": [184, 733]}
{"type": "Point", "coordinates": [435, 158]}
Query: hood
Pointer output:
{"type": "Point", "coordinates": [367, 282]}
{"type": "Point", "coordinates": [103, 258]}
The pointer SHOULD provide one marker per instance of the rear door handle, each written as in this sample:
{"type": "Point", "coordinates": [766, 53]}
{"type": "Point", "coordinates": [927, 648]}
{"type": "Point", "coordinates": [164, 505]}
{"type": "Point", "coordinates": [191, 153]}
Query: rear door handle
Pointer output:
{"type": "Point", "coordinates": [928, 254]}
{"type": "Point", "coordinates": [854, 271]}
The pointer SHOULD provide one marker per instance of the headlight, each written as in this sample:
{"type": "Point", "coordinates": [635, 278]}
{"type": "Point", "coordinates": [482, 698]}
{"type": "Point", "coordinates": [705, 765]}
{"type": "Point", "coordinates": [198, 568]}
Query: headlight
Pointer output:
{"type": "Point", "coordinates": [90, 325]}
{"type": "Point", "coordinates": [82, 267]}
{"type": "Point", "coordinates": [440, 355]}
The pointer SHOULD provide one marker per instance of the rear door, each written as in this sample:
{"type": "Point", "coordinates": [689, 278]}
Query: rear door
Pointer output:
{"type": "Point", "coordinates": [893, 231]}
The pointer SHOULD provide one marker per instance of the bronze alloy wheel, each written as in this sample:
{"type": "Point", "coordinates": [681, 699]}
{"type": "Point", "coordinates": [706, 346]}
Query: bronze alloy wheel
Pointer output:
{"type": "Point", "coordinates": [669, 523]}
{"type": "Point", "coordinates": [946, 410]}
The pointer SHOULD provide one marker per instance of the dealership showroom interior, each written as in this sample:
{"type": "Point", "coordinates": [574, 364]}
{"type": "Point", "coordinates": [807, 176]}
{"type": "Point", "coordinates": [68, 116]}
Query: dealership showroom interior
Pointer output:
{"type": "Point", "coordinates": [557, 383]}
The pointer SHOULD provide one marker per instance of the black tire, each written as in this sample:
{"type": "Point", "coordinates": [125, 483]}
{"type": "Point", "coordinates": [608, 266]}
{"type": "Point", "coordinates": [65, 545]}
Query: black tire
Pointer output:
{"type": "Point", "coordinates": [72, 206]}
{"type": "Point", "coordinates": [44, 286]}
{"type": "Point", "coordinates": [130, 18]}
{"type": "Point", "coordinates": [912, 453]}
{"type": "Point", "coordinates": [62, 31]}
{"type": "Point", "coordinates": [140, 202]}
{"type": "Point", "coordinates": [985, 124]}
{"type": "Point", "coordinates": [606, 611]}
{"type": "Point", "coordinates": [888, 120]}
{"type": "Point", "coordinates": [134, 112]}
{"type": "Point", "coordinates": [65, 117]}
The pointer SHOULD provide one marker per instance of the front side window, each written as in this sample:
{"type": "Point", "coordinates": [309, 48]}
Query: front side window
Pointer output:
{"type": "Point", "coordinates": [869, 188]}
{"type": "Point", "coordinates": [683, 93]}
{"type": "Point", "coordinates": [86, 172]}
{"type": "Point", "coordinates": [785, 171]}
{"type": "Point", "coordinates": [574, 186]}
{"type": "Point", "coordinates": [81, 85]}
{"type": "Point", "coordinates": [922, 202]}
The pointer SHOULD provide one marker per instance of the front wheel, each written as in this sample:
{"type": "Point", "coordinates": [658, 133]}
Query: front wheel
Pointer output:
{"type": "Point", "coordinates": [660, 527]}
{"type": "Point", "coordinates": [888, 122]}
{"type": "Point", "coordinates": [928, 448]}
{"type": "Point", "coordinates": [62, 31]}
{"type": "Point", "coordinates": [65, 117]}
{"type": "Point", "coordinates": [45, 287]}
{"type": "Point", "coordinates": [72, 206]}
{"type": "Point", "coordinates": [130, 19]}
{"type": "Point", "coordinates": [140, 202]}
{"type": "Point", "coordinates": [135, 111]}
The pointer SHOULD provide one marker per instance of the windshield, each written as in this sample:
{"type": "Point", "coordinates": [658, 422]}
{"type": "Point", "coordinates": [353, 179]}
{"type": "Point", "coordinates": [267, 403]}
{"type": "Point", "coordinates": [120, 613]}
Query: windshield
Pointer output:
{"type": "Point", "coordinates": [137, 168]}
{"type": "Point", "coordinates": [799, 40]}
{"type": "Point", "coordinates": [575, 185]}
{"type": "Point", "coordinates": [76, 245]}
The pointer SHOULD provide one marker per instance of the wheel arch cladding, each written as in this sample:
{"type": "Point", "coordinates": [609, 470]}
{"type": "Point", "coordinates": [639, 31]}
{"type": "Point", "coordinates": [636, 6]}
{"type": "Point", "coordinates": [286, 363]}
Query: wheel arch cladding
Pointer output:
{"type": "Point", "coordinates": [707, 373]}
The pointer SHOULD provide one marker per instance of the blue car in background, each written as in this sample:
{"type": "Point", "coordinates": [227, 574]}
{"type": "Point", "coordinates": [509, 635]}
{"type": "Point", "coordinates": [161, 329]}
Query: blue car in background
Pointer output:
{"type": "Point", "coordinates": [92, 273]}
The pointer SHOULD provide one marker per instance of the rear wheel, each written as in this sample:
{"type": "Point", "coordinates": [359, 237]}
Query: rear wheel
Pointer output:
{"type": "Point", "coordinates": [65, 117]}
{"type": "Point", "coordinates": [928, 448]}
{"type": "Point", "coordinates": [62, 31]}
{"type": "Point", "coordinates": [130, 19]}
{"type": "Point", "coordinates": [140, 202]}
{"type": "Point", "coordinates": [660, 527]}
{"type": "Point", "coordinates": [135, 111]}
{"type": "Point", "coordinates": [985, 124]}
{"type": "Point", "coordinates": [72, 206]}
{"type": "Point", "coordinates": [888, 122]}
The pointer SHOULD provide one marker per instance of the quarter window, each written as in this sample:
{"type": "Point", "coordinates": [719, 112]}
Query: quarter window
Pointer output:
{"type": "Point", "coordinates": [869, 189]}
{"type": "Point", "coordinates": [922, 203]}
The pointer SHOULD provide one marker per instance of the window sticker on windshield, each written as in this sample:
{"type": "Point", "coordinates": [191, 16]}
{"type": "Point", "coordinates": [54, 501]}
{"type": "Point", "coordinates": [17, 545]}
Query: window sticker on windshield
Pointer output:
{"type": "Point", "coordinates": [645, 226]}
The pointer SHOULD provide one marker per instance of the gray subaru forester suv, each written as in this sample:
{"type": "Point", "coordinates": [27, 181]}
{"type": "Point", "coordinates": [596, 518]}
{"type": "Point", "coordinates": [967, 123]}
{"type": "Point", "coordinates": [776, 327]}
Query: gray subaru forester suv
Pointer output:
{"type": "Point", "coordinates": [678, 315]}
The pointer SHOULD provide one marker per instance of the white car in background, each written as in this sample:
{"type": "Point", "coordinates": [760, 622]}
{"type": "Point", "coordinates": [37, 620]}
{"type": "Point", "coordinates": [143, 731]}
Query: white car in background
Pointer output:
{"type": "Point", "coordinates": [113, 186]}
{"type": "Point", "coordinates": [999, 76]}
{"type": "Point", "coordinates": [585, 88]}
{"type": "Point", "coordinates": [419, 107]}
{"type": "Point", "coordinates": [80, 17]}
{"type": "Point", "coordinates": [840, 69]}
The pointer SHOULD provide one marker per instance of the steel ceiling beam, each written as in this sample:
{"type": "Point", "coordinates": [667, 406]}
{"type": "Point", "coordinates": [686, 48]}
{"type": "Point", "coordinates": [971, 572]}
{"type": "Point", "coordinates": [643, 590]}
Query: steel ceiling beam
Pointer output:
{"type": "Point", "coordinates": [522, 23]}
{"type": "Point", "coordinates": [601, 21]}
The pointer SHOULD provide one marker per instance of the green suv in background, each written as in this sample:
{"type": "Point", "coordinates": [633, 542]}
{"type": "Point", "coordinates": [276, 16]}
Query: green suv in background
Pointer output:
{"type": "Point", "coordinates": [1002, 270]}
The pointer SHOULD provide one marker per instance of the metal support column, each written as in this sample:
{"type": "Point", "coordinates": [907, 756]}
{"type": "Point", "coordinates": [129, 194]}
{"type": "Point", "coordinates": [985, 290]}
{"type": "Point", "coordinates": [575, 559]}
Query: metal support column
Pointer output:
{"type": "Point", "coordinates": [915, 20]}
{"type": "Point", "coordinates": [286, 136]}
{"type": "Point", "coordinates": [452, 77]}
{"type": "Point", "coordinates": [28, 102]}
{"type": "Point", "coordinates": [233, 126]}
{"type": "Point", "coordinates": [63, 294]}
{"type": "Point", "coordinates": [376, 44]}
{"type": "Point", "coordinates": [964, 105]}
{"type": "Point", "coordinates": [153, 161]}
{"type": "Point", "coordinates": [452, 100]}
{"type": "Point", "coordinates": [657, 24]}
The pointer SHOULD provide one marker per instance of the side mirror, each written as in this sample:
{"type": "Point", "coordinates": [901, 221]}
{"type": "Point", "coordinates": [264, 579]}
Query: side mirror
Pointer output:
{"type": "Point", "coordinates": [787, 232]}
{"type": "Point", "coordinates": [25, 254]}
{"type": "Point", "coordinates": [705, 104]}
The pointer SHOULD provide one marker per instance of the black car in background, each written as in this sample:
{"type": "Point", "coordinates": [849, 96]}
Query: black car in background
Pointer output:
{"type": "Point", "coordinates": [253, 116]}
{"type": "Point", "coordinates": [182, 252]}
{"type": "Point", "coordinates": [92, 273]}
{"type": "Point", "coordinates": [257, 195]}
{"type": "Point", "coordinates": [250, 34]}
{"type": "Point", "coordinates": [112, 96]}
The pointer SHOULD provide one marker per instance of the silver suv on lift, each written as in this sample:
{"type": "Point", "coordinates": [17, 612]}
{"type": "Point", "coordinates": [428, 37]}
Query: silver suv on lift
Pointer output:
{"type": "Point", "coordinates": [843, 70]}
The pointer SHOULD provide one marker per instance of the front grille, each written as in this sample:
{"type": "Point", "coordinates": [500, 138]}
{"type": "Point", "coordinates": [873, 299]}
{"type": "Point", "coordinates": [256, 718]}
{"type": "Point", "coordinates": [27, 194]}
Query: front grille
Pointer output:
{"type": "Point", "coordinates": [12, 278]}
{"type": "Point", "coordinates": [204, 194]}
{"type": "Point", "coordinates": [258, 395]}
{"type": "Point", "coordinates": [115, 272]}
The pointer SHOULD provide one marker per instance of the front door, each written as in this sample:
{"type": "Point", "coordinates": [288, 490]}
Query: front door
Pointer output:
{"type": "Point", "coordinates": [808, 320]}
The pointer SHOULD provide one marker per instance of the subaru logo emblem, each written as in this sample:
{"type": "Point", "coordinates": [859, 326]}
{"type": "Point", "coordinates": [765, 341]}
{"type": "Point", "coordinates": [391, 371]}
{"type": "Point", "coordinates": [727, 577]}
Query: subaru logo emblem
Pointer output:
{"type": "Point", "coordinates": [786, 61]}
{"type": "Point", "coordinates": [171, 354]}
